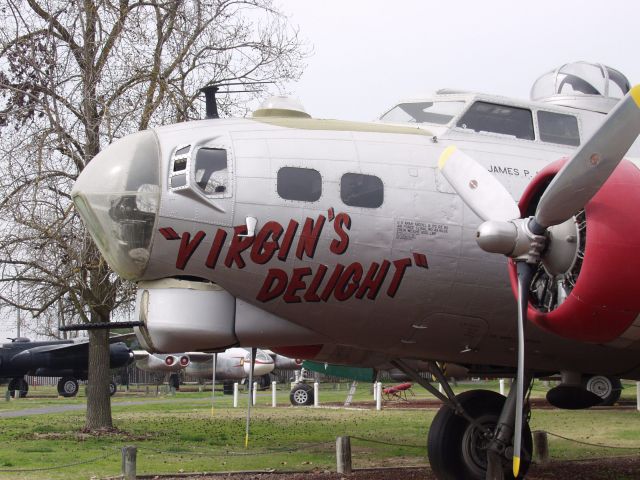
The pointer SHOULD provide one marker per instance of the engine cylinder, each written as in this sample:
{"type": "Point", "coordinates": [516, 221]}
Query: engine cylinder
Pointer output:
{"type": "Point", "coordinates": [603, 301]}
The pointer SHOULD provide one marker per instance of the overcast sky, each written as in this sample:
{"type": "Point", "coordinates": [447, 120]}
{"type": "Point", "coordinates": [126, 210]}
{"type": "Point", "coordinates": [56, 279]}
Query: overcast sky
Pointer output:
{"type": "Point", "coordinates": [368, 54]}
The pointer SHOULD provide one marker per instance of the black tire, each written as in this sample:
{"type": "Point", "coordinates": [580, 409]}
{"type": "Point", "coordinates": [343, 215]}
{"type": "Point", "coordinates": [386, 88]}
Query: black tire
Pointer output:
{"type": "Point", "coordinates": [68, 387]}
{"type": "Point", "coordinates": [19, 384]}
{"type": "Point", "coordinates": [608, 389]}
{"type": "Point", "coordinates": [174, 381]}
{"type": "Point", "coordinates": [113, 388]}
{"type": "Point", "coordinates": [227, 387]}
{"type": "Point", "coordinates": [264, 382]}
{"type": "Point", "coordinates": [457, 450]}
{"type": "Point", "coordinates": [301, 395]}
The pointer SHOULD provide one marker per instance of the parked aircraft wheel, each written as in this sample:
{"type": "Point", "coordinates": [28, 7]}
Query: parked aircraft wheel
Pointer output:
{"type": "Point", "coordinates": [227, 387]}
{"type": "Point", "coordinates": [174, 381]}
{"type": "Point", "coordinates": [19, 384]}
{"type": "Point", "coordinates": [457, 449]}
{"type": "Point", "coordinates": [607, 388]}
{"type": "Point", "coordinates": [264, 382]}
{"type": "Point", "coordinates": [68, 387]}
{"type": "Point", "coordinates": [113, 388]}
{"type": "Point", "coordinates": [301, 394]}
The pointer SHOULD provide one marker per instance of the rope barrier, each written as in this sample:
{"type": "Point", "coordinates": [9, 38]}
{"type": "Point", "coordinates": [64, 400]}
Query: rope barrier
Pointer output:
{"type": "Point", "coordinates": [209, 453]}
{"type": "Point", "coordinates": [56, 467]}
{"type": "Point", "coordinates": [587, 443]}
{"type": "Point", "coordinates": [387, 443]}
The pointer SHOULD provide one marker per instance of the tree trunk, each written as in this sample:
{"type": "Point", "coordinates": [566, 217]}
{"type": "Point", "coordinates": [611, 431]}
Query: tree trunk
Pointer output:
{"type": "Point", "coordinates": [98, 398]}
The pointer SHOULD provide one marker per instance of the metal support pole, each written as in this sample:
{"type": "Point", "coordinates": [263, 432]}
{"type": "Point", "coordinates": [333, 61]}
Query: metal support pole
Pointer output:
{"type": "Point", "coordinates": [343, 454]}
{"type": "Point", "coordinates": [375, 391]}
{"type": "Point", "coordinates": [638, 395]}
{"type": "Point", "coordinates": [129, 462]}
{"type": "Point", "coordinates": [273, 394]}
{"type": "Point", "coordinates": [316, 394]}
{"type": "Point", "coordinates": [378, 395]}
{"type": "Point", "coordinates": [254, 393]}
{"type": "Point", "coordinates": [235, 395]}
{"type": "Point", "coordinates": [502, 386]}
{"type": "Point", "coordinates": [250, 395]}
{"type": "Point", "coordinates": [213, 381]}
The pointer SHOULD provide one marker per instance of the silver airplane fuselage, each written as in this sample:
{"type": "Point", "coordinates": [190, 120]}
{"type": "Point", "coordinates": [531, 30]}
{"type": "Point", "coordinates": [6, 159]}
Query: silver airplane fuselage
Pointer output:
{"type": "Point", "coordinates": [365, 278]}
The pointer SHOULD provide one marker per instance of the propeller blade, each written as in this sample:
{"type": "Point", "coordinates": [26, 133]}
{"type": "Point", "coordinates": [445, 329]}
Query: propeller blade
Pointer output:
{"type": "Point", "coordinates": [592, 164]}
{"type": "Point", "coordinates": [525, 272]}
{"type": "Point", "coordinates": [480, 190]}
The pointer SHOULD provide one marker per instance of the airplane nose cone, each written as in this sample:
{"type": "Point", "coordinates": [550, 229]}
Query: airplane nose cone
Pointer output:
{"type": "Point", "coordinates": [118, 196]}
{"type": "Point", "coordinates": [263, 364]}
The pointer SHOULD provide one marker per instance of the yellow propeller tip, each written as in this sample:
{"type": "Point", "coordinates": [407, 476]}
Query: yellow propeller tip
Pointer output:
{"type": "Point", "coordinates": [635, 94]}
{"type": "Point", "coordinates": [516, 466]}
{"type": "Point", "coordinates": [444, 157]}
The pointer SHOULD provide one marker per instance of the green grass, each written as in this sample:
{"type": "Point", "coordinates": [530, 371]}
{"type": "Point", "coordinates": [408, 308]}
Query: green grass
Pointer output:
{"type": "Point", "coordinates": [180, 433]}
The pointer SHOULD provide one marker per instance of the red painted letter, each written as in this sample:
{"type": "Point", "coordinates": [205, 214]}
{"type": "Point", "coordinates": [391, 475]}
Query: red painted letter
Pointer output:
{"type": "Point", "coordinates": [309, 237]}
{"type": "Point", "coordinates": [401, 266]}
{"type": "Point", "coordinates": [340, 246]}
{"type": "Point", "coordinates": [187, 248]}
{"type": "Point", "coordinates": [268, 290]}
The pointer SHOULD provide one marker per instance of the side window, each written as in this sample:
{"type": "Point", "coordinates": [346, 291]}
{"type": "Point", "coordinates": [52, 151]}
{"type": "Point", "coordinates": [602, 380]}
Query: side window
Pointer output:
{"type": "Point", "coordinates": [303, 184]}
{"type": "Point", "coordinates": [359, 190]}
{"type": "Point", "coordinates": [178, 172]}
{"type": "Point", "coordinates": [503, 119]}
{"type": "Point", "coordinates": [558, 128]}
{"type": "Point", "coordinates": [212, 171]}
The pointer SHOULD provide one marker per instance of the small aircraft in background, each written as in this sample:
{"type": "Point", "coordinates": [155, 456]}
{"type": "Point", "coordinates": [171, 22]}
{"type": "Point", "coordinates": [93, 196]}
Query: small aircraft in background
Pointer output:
{"type": "Point", "coordinates": [68, 359]}
{"type": "Point", "coordinates": [402, 239]}
{"type": "Point", "coordinates": [233, 364]}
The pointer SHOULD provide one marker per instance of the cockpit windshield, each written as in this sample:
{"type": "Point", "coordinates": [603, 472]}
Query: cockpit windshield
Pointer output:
{"type": "Point", "coordinates": [434, 112]}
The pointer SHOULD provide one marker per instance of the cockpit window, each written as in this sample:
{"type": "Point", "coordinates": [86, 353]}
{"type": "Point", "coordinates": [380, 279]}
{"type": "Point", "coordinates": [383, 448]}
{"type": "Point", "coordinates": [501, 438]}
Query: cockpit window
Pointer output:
{"type": "Point", "coordinates": [496, 118]}
{"type": "Point", "coordinates": [558, 128]}
{"type": "Point", "coordinates": [439, 113]}
{"type": "Point", "coordinates": [212, 170]}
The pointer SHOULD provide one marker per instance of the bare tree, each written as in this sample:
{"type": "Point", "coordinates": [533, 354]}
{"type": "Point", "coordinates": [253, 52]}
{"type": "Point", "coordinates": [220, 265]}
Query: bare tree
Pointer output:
{"type": "Point", "coordinates": [75, 75]}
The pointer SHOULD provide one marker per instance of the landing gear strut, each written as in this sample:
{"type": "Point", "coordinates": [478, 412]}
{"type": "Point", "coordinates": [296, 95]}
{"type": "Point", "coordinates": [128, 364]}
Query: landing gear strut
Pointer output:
{"type": "Point", "coordinates": [471, 436]}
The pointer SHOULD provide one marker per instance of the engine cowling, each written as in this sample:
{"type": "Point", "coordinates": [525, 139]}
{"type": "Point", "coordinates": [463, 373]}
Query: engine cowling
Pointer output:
{"type": "Point", "coordinates": [603, 300]}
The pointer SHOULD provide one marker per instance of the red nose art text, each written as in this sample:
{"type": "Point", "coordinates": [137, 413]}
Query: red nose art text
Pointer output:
{"type": "Point", "coordinates": [317, 283]}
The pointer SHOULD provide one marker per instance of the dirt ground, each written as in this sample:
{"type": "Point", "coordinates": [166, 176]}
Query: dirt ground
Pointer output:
{"type": "Point", "coordinates": [619, 468]}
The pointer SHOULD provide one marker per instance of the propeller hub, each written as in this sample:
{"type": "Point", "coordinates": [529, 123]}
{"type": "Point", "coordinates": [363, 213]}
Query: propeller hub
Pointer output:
{"type": "Point", "coordinates": [497, 237]}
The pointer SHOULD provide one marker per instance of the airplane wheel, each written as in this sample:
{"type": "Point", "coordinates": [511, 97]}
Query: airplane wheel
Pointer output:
{"type": "Point", "coordinates": [227, 387]}
{"type": "Point", "coordinates": [174, 381]}
{"type": "Point", "coordinates": [301, 394]}
{"type": "Point", "coordinates": [607, 388]}
{"type": "Point", "coordinates": [458, 450]}
{"type": "Point", "coordinates": [19, 384]}
{"type": "Point", "coordinates": [264, 382]}
{"type": "Point", "coordinates": [113, 388]}
{"type": "Point", "coordinates": [68, 387]}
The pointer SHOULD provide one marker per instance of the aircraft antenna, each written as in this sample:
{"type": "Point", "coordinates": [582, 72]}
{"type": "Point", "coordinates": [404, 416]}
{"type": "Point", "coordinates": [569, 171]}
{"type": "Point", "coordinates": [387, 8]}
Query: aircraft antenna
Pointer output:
{"type": "Point", "coordinates": [210, 91]}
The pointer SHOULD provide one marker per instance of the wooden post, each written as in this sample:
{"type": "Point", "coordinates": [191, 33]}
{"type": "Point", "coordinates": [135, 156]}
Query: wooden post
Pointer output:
{"type": "Point", "coordinates": [129, 462]}
{"type": "Point", "coordinates": [343, 454]}
{"type": "Point", "coordinates": [540, 446]}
